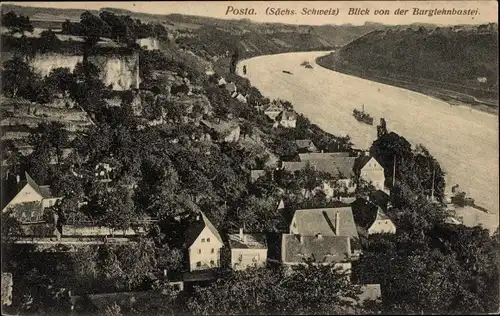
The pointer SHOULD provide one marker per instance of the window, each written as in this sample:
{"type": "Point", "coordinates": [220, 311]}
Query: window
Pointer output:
{"type": "Point", "coordinates": [208, 239]}
{"type": "Point", "coordinates": [198, 264]}
{"type": "Point", "coordinates": [199, 251]}
{"type": "Point", "coordinates": [203, 240]}
{"type": "Point", "coordinates": [177, 287]}
{"type": "Point", "coordinates": [212, 262]}
{"type": "Point", "coordinates": [213, 250]}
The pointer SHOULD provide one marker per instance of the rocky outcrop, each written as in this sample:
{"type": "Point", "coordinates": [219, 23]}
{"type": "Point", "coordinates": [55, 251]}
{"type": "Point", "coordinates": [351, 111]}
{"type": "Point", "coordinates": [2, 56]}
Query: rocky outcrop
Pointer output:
{"type": "Point", "coordinates": [149, 43]}
{"type": "Point", "coordinates": [119, 71]}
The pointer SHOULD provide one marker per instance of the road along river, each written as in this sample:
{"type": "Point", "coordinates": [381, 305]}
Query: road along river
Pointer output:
{"type": "Point", "coordinates": [463, 140]}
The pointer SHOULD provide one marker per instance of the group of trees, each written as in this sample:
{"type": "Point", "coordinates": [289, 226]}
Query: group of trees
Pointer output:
{"type": "Point", "coordinates": [121, 28]}
{"type": "Point", "coordinates": [16, 23]}
{"type": "Point", "coordinates": [306, 289]}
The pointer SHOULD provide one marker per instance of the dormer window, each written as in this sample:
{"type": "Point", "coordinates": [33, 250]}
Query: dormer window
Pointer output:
{"type": "Point", "coordinates": [208, 239]}
{"type": "Point", "coordinates": [203, 240]}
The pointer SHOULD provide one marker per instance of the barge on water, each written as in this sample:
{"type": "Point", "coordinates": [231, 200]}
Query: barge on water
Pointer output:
{"type": "Point", "coordinates": [362, 116]}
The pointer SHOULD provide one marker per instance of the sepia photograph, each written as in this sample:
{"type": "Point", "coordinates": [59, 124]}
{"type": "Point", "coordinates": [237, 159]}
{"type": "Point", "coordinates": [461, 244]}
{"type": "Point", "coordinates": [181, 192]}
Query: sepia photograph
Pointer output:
{"type": "Point", "coordinates": [249, 158]}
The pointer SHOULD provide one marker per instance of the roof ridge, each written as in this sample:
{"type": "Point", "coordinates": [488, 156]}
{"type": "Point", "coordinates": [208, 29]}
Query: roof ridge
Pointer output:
{"type": "Point", "coordinates": [32, 182]}
{"type": "Point", "coordinates": [210, 226]}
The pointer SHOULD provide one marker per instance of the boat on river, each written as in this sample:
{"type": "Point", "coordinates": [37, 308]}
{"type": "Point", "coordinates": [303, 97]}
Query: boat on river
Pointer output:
{"type": "Point", "coordinates": [362, 116]}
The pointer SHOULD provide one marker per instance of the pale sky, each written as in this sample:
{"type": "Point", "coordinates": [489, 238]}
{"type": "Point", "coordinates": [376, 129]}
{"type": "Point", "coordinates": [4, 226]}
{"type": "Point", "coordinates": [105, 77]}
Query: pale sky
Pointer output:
{"type": "Point", "coordinates": [486, 10]}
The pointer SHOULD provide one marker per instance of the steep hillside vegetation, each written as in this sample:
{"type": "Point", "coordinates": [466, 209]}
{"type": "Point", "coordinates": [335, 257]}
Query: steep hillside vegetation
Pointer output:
{"type": "Point", "coordinates": [464, 61]}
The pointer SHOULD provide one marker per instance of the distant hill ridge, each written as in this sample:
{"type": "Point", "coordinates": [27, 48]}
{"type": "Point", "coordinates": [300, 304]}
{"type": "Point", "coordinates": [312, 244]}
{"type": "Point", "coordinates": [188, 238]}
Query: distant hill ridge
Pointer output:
{"type": "Point", "coordinates": [462, 59]}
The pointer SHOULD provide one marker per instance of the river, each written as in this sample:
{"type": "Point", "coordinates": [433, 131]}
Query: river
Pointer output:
{"type": "Point", "coordinates": [463, 140]}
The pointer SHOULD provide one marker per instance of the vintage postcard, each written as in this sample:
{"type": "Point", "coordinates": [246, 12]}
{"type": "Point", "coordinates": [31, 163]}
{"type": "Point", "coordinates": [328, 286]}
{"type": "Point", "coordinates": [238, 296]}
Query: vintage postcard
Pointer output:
{"type": "Point", "coordinates": [249, 158]}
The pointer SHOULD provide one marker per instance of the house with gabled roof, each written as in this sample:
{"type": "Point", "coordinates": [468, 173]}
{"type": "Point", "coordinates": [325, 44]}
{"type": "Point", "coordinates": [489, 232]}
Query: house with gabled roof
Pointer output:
{"type": "Point", "coordinates": [342, 166]}
{"type": "Point", "coordinates": [247, 250]}
{"type": "Point", "coordinates": [305, 146]}
{"type": "Point", "coordinates": [204, 244]}
{"type": "Point", "coordinates": [371, 219]}
{"type": "Point", "coordinates": [273, 110]}
{"type": "Point", "coordinates": [326, 222]}
{"type": "Point", "coordinates": [32, 197]}
{"type": "Point", "coordinates": [297, 248]}
{"type": "Point", "coordinates": [287, 119]}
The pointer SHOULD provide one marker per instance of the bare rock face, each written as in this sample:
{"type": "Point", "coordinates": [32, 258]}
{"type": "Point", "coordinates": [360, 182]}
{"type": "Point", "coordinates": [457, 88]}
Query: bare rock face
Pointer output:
{"type": "Point", "coordinates": [119, 71]}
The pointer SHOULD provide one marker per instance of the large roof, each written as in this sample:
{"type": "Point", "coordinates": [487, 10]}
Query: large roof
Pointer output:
{"type": "Point", "coordinates": [328, 249]}
{"type": "Point", "coordinates": [304, 143]}
{"type": "Point", "coordinates": [332, 163]}
{"type": "Point", "coordinates": [316, 156]}
{"type": "Point", "coordinates": [196, 228]}
{"type": "Point", "coordinates": [310, 222]}
{"type": "Point", "coordinates": [249, 241]}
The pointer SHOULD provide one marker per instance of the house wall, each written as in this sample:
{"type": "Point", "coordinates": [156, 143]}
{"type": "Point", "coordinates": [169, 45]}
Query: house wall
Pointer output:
{"type": "Point", "coordinates": [49, 202]}
{"type": "Point", "coordinates": [382, 226]}
{"type": "Point", "coordinates": [374, 173]}
{"type": "Point", "coordinates": [288, 123]}
{"type": "Point", "coordinates": [234, 135]}
{"type": "Point", "coordinates": [201, 256]}
{"type": "Point", "coordinates": [70, 230]}
{"type": "Point", "coordinates": [342, 266]}
{"type": "Point", "coordinates": [27, 194]}
{"type": "Point", "coordinates": [348, 184]}
{"type": "Point", "coordinates": [244, 258]}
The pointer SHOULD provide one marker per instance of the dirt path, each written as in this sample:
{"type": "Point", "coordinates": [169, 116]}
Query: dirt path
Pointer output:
{"type": "Point", "coordinates": [464, 141]}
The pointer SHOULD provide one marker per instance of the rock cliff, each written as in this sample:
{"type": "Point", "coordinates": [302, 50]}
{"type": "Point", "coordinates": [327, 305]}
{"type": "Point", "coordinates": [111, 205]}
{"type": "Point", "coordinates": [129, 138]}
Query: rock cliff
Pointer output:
{"type": "Point", "coordinates": [119, 71]}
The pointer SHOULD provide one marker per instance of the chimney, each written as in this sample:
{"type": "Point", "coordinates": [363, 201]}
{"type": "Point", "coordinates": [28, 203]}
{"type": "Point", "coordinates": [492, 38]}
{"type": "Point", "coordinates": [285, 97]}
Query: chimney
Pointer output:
{"type": "Point", "coordinates": [349, 251]}
{"type": "Point", "coordinates": [165, 273]}
{"type": "Point", "coordinates": [198, 217]}
{"type": "Point", "coordinates": [241, 233]}
{"type": "Point", "coordinates": [319, 236]}
{"type": "Point", "coordinates": [301, 239]}
{"type": "Point", "coordinates": [337, 224]}
{"type": "Point", "coordinates": [18, 179]}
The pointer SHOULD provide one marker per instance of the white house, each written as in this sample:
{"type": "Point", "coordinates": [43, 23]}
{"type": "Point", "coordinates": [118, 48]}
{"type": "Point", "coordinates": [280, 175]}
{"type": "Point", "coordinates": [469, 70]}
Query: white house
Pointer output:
{"type": "Point", "coordinates": [371, 171]}
{"type": "Point", "coordinates": [204, 244]}
{"type": "Point", "coordinates": [287, 119]}
{"type": "Point", "coordinates": [273, 110]}
{"type": "Point", "coordinates": [35, 197]}
{"type": "Point", "coordinates": [247, 250]}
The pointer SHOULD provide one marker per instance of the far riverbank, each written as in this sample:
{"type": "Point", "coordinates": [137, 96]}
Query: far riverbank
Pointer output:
{"type": "Point", "coordinates": [424, 86]}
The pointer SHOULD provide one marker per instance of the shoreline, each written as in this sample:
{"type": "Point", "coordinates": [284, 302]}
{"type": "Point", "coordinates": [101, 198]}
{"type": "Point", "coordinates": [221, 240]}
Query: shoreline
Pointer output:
{"type": "Point", "coordinates": [317, 114]}
{"type": "Point", "coordinates": [449, 96]}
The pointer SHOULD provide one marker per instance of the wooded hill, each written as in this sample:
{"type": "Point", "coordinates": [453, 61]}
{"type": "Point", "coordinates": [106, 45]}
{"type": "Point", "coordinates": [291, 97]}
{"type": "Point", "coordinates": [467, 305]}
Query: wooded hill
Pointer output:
{"type": "Point", "coordinates": [461, 59]}
{"type": "Point", "coordinates": [208, 36]}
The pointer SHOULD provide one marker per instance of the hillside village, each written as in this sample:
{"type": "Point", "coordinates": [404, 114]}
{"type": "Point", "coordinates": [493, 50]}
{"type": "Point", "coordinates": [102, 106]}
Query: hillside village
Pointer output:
{"type": "Point", "coordinates": [140, 177]}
